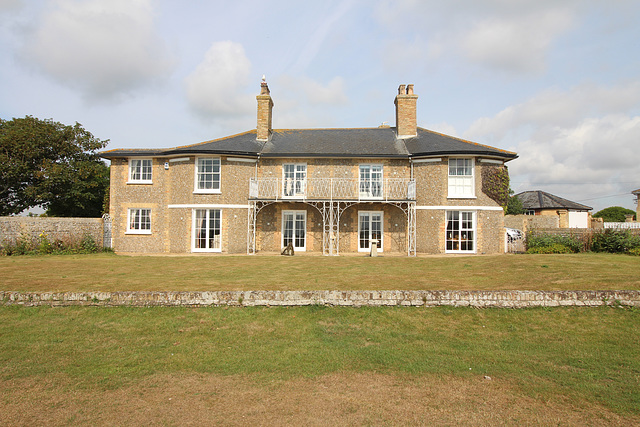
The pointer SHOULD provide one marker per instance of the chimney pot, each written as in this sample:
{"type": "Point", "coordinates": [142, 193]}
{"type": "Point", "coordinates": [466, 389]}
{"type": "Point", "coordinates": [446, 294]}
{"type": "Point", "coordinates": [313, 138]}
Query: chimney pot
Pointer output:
{"type": "Point", "coordinates": [402, 90]}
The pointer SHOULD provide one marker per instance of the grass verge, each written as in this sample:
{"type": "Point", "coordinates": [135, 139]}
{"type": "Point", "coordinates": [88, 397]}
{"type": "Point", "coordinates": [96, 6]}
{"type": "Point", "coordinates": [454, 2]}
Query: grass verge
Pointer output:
{"type": "Point", "coordinates": [108, 272]}
{"type": "Point", "coordinates": [584, 355]}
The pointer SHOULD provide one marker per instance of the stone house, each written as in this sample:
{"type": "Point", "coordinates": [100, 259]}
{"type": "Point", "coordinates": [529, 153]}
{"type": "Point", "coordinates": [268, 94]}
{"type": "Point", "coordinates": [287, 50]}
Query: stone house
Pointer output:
{"type": "Point", "coordinates": [570, 214]}
{"type": "Point", "coordinates": [405, 189]}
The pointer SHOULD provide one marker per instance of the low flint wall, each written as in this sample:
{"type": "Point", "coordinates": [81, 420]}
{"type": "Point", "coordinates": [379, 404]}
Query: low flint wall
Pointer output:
{"type": "Point", "coordinates": [55, 228]}
{"type": "Point", "coordinates": [509, 299]}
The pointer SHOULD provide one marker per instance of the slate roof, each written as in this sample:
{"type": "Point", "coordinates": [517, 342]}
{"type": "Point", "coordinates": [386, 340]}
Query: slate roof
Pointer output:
{"type": "Point", "coordinates": [350, 142]}
{"type": "Point", "coordinates": [543, 200]}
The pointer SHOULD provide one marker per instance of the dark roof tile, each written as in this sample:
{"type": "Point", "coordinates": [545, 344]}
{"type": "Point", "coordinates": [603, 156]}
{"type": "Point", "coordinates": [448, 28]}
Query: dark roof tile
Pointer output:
{"type": "Point", "coordinates": [543, 200]}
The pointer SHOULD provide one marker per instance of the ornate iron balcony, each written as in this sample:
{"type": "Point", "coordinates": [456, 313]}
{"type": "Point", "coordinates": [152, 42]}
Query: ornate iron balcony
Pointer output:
{"type": "Point", "coordinates": [332, 189]}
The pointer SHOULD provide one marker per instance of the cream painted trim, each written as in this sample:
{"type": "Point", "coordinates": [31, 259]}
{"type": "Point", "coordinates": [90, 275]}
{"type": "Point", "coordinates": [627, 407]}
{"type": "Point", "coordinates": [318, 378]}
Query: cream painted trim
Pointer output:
{"type": "Point", "coordinates": [492, 161]}
{"type": "Point", "coordinates": [241, 159]}
{"type": "Point", "coordinates": [180, 159]}
{"type": "Point", "coordinates": [459, 208]}
{"type": "Point", "coordinates": [208, 206]}
{"type": "Point", "coordinates": [427, 160]}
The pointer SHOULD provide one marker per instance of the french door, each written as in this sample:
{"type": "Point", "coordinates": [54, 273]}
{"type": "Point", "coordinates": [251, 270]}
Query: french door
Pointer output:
{"type": "Point", "coordinates": [294, 229]}
{"type": "Point", "coordinates": [369, 228]}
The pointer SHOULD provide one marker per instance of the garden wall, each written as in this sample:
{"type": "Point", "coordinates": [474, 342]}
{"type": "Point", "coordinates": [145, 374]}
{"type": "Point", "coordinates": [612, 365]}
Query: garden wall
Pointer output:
{"type": "Point", "coordinates": [64, 229]}
{"type": "Point", "coordinates": [528, 222]}
{"type": "Point", "coordinates": [509, 299]}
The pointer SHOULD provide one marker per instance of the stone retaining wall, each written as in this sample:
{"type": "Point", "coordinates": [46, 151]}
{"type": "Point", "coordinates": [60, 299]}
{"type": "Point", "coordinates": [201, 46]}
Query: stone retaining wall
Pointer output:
{"type": "Point", "coordinates": [509, 299]}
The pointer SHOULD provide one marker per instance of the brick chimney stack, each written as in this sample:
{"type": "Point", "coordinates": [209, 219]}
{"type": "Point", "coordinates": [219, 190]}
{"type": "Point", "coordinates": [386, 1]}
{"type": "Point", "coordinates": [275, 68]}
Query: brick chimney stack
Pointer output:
{"type": "Point", "coordinates": [406, 119]}
{"type": "Point", "coordinates": [265, 106]}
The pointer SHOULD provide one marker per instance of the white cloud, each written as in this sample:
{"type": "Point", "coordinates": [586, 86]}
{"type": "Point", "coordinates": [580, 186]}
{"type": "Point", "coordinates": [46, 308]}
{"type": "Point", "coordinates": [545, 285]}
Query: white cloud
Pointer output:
{"type": "Point", "coordinates": [331, 94]}
{"type": "Point", "coordinates": [511, 36]}
{"type": "Point", "coordinates": [106, 48]}
{"type": "Point", "coordinates": [10, 5]}
{"type": "Point", "coordinates": [581, 143]}
{"type": "Point", "coordinates": [219, 83]}
{"type": "Point", "coordinates": [555, 108]}
{"type": "Point", "coordinates": [517, 44]}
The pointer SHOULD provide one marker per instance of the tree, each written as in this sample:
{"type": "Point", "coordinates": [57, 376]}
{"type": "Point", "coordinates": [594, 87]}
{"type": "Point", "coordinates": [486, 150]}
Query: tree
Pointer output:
{"type": "Point", "coordinates": [614, 214]}
{"type": "Point", "coordinates": [49, 164]}
{"type": "Point", "coordinates": [514, 206]}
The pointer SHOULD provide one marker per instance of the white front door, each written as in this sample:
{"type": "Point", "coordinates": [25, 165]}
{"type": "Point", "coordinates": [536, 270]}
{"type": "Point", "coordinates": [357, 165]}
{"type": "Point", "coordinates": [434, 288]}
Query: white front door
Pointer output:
{"type": "Point", "coordinates": [294, 229]}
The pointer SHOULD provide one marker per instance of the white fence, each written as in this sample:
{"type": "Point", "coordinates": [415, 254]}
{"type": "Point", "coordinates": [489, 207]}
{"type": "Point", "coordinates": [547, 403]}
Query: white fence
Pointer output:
{"type": "Point", "coordinates": [622, 225]}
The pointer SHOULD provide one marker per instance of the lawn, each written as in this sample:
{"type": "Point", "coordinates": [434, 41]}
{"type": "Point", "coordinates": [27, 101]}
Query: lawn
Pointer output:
{"type": "Point", "coordinates": [319, 366]}
{"type": "Point", "coordinates": [108, 272]}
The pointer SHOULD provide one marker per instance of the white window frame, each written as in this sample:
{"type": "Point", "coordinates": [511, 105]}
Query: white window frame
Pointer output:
{"type": "Point", "coordinates": [461, 186]}
{"type": "Point", "coordinates": [370, 234]}
{"type": "Point", "coordinates": [529, 212]}
{"type": "Point", "coordinates": [137, 167]}
{"type": "Point", "coordinates": [217, 239]}
{"type": "Point", "coordinates": [198, 173]}
{"type": "Point", "coordinates": [294, 182]}
{"type": "Point", "coordinates": [457, 231]}
{"type": "Point", "coordinates": [136, 223]}
{"type": "Point", "coordinates": [294, 236]}
{"type": "Point", "coordinates": [370, 188]}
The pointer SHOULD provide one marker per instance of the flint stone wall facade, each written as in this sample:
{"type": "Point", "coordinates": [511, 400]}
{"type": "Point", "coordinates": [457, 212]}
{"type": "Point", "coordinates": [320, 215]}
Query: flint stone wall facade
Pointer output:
{"type": "Point", "coordinates": [478, 299]}
{"type": "Point", "coordinates": [13, 228]}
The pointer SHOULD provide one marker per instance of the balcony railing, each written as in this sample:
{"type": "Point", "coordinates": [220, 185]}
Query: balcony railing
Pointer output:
{"type": "Point", "coordinates": [332, 189]}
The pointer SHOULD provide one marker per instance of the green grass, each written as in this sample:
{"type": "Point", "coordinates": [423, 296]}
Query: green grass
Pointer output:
{"type": "Point", "coordinates": [108, 272]}
{"type": "Point", "coordinates": [587, 354]}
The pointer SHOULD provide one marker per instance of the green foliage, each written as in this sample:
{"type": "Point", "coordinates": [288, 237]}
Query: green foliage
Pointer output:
{"type": "Point", "coordinates": [614, 214]}
{"type": "Point", "coordinates": [634, 251]}
{"type": "Point", "coordinates": [495, 184]}
{"type": "Point", "coordinates": [554, 248]}
{"type": "Point", "coordinates": [514, 206]}
{"type": "Point", "coordinates": [615, 241]}
{"type": "Point", "coordinates": [42, 245]}
{"type": "Point", "coordinates": [550, 243]}
{"type": "Point", "coordinates": [45, 163]}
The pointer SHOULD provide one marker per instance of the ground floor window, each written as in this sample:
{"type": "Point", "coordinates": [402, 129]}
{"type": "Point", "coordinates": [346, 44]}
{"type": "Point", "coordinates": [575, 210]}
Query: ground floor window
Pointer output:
{"type": "Point", "coordinates": [139, 221]}
{"type": "Point", "coordinates": [369, 228]}
{"type": "Point", "coordinates": [460, 231]}
{"type": "Point", "coordinates": [207, 230]}
{"type": "Point", "coordinates": [294, 229]}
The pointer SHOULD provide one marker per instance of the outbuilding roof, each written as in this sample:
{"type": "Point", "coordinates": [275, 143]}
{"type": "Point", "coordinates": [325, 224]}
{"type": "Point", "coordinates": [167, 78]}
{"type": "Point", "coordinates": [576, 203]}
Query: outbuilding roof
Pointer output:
{"type": "Point", "coordinates": [542, 200]}
{"type": "Point", "coordinates": [379, 142]}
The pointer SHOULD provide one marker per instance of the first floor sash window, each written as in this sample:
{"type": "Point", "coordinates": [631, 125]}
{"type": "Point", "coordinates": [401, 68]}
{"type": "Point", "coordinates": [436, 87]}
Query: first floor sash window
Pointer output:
{"type": "Point", "coordinates": [369, 227]}
{"type": "Point", "coordinates": [140, 170]}
{"type": "Point", "coordinates": [294, 229]}
{"type": "Point", "coordinates": [139, 221]}
{"type": "Point", "coordinates": [294, 183]}
{"type": "Point", "coordinates": [460, 231]}
{"type": "Point", "coordinates": [461, 180]}
{"type": "Point", "coordinates": [207, 230]}
{"type": "Point", "coordinates": [208, 175]}
{"type": "Point", "coordinates": [370, 181]}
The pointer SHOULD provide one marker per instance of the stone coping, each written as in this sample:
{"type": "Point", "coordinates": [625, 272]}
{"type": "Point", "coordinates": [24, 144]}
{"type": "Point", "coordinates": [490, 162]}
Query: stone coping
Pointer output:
{"type": "Point", "coordinates": [479, 299]}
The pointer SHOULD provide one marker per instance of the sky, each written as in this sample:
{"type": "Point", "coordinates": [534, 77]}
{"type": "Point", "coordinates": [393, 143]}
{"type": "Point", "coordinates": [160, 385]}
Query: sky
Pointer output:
{"type": "Point", "coordinates": [557, 81]}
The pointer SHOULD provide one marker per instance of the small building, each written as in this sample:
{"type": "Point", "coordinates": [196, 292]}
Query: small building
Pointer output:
{"type": "Point", "coordinates": [404, 189]}
{"type": "Point", "coordinates": [637, 194]}
{"type": "Point", "coordinates": [571, 214]}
